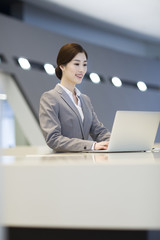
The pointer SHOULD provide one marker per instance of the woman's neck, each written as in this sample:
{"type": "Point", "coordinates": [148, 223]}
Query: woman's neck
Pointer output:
{"type": "Point", "coordinates": [70, 87]}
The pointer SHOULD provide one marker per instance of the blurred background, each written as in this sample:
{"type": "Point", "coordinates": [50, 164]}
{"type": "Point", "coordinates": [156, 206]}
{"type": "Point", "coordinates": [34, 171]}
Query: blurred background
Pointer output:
{"type": "Point", "coordinates": [122, 38]}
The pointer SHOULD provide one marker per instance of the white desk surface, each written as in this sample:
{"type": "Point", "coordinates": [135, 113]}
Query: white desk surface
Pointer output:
{"type": "Point", "coordinates": [82, 190]}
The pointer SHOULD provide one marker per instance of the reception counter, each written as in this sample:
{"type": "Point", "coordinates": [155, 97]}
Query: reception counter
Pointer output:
{"type": "Point", "coordinates": [114, 191]}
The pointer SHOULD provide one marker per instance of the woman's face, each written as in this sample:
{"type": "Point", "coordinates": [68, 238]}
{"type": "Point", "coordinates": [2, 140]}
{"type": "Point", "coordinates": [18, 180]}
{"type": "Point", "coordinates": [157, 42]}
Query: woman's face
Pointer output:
{"type": "Point", "coordinates": [74, 71]}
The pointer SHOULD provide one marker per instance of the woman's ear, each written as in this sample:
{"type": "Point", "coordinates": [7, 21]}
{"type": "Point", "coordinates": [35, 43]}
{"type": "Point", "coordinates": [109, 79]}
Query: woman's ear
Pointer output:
{"type": "Point", "coordinates": [61, 67]}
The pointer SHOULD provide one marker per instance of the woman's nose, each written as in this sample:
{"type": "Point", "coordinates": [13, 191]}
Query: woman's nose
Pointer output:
{"type": "Point", "coordinates": [82, 68]}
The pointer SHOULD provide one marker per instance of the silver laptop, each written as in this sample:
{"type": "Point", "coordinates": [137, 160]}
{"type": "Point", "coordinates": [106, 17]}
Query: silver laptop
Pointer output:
{"type": "Point", "coordinates": [133, 131]}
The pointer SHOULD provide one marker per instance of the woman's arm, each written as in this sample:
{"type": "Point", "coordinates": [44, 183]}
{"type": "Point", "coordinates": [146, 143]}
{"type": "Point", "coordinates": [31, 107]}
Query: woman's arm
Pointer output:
{"type": "Point", "coordinates": [98, 132]}
{"type": "Point", "coordinates": [51, 128]}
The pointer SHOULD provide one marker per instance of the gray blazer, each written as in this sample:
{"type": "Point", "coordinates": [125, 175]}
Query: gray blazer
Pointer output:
{"type": "Point", "coordinates": [62, 125]}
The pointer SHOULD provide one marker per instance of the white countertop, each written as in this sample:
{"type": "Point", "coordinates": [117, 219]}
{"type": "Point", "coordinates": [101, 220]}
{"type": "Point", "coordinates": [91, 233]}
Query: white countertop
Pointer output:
{"type": "Point", "coordinates": [82, 190]}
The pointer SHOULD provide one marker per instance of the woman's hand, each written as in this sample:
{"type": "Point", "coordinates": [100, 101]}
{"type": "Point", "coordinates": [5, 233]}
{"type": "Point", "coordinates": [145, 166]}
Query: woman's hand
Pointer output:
{"type": "Point", "coordinates": [101, 145]}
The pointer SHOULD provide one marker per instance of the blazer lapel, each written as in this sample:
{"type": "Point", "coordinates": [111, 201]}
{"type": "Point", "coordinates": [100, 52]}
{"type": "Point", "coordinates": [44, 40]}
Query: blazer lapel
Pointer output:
{"type": "Point", "coordinates": [68, 100]}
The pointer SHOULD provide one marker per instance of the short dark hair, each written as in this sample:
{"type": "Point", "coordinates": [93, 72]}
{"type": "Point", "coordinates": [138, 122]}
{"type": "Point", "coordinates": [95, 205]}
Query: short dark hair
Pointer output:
{"type": "Point", "coordinates": [66, 54]}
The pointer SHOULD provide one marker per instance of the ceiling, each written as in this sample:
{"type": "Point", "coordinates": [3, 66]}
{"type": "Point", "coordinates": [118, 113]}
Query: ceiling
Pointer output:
{"type": "Point", "coordinates": [135, 17]}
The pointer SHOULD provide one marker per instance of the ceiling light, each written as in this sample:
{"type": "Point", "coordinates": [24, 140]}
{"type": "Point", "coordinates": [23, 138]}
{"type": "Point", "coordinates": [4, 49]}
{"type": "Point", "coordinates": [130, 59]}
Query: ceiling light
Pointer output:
{"type": "Point", "coordinates": [142, 86]}
{"type": "Point", "coordinates": [49, 68]}
{"type": "Point", "coordinates": [94, 78]}
{"type": "Point", "coordinates": [3, 96]}
{"type": "Point", "coordinates": [116, 81]}
{"type": "Point", "coordinates": [24, 63]}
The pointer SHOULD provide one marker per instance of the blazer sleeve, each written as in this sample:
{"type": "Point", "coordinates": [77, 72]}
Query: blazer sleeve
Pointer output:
{"type": "Point", "coordinates": [51, 128]}
{"type": "Point", "coordinates": [98, 132]}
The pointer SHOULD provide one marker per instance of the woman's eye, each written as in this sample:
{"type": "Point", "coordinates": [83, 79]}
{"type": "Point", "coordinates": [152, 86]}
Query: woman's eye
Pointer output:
{"type": "Point", "coordinates": [77, 64]}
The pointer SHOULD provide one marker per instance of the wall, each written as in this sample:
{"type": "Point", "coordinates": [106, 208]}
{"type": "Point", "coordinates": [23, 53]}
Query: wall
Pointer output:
{"type": "Point", "coordinates": [20, 39]}
{"type": "Point", "coordinates": [62, 20]}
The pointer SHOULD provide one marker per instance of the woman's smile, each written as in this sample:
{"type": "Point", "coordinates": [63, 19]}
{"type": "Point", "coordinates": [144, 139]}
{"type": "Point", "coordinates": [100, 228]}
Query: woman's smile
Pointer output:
{"type": "Point", "coordinates": [80, 76]}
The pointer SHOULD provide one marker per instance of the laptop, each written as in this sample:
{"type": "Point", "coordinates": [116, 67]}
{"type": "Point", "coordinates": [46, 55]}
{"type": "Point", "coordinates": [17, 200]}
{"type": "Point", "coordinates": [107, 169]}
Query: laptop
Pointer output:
{"type": "Point", "coordinates": [133, 131]}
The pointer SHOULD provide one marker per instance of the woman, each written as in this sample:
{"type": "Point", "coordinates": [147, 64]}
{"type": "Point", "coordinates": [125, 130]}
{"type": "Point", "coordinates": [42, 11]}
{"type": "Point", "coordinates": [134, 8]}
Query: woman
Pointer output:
{"type": "Point", "coordinates": [66, 116]}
